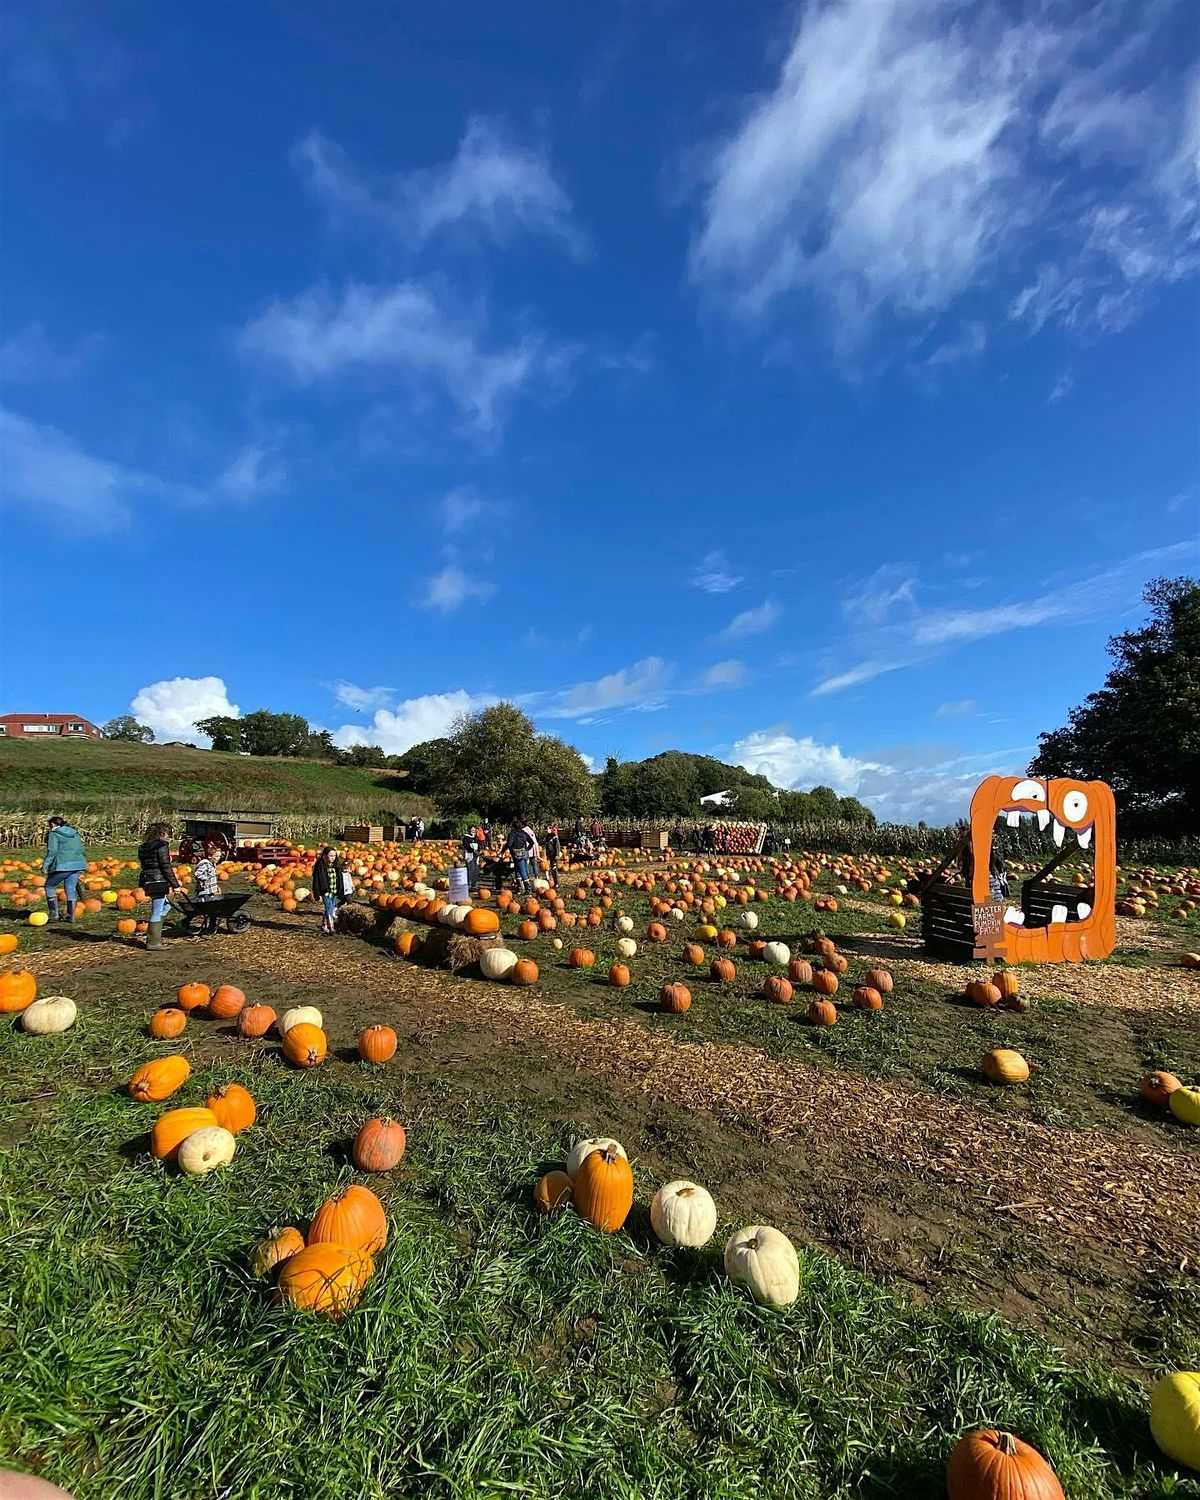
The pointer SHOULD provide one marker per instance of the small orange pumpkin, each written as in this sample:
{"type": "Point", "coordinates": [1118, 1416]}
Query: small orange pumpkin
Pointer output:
{"type": "Point", "coordinates": [777, 989]}
{"type": "Point", "coordinates": [159, 1078]}
{"type": "Point", "coordinates": [377, 1044]}
{"type": "Point", "coordinates": [379, 1145]}
{"type": "Point", "coordinates": [524, 971]}
{"type": "Point", "coordinates": [1157, 1088]}
{"type": "Point", "coordinates": [167, 1022]}
{"type": "Point", "coordinates": [867, 997]}
{"type": "Point", "coordinates": [255, 1021]}
{"type": "Point", "coordinates": [825, 982]}
{"type": "Point", "coordinates": [618, 976]}
{"type": "Point", "coordinates": [879, 979]}
{"type": "Point", "coordinates": [675, 998]}
{"type": "Point", "coordinates": [723, 970]}
{"type": "Point", "coordinates": [233, 1106]}
{"type": "Point", "coordinates": [553, 1191]}
{"type": "Point", "coordinates": [170, 1131]}
{"type": "Point", "coordinates": [18, 990]}
{"type": "Point", "coordinates": [582, 958]}
{"type": "Point", "coordinates": [822, 1012]}
{"type": "Point", "coordinates": [193, 995]}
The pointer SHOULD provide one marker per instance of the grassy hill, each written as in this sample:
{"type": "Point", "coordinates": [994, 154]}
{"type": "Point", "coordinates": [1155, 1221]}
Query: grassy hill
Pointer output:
{"type": "Point", "coordinates": [114, 788]}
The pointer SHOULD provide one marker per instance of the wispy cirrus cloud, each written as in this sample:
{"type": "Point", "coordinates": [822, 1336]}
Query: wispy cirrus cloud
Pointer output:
{"type": "Point", "coordinates": [30, 356]}
{"type": "Point", "coordinates": [402, 329]}
{"type": "Point", "coordinates": [889, 170]}
{"type": "Point", "coordinates": [494, 183]}
{"type": "Point", "coordinates": [452, 588]}
{"type": "Point", "coordinates": [753, 621]}
{"type": "Point", "coordinates": [912, 633]}
{"type": "Point", "coordinates": [713, 574]}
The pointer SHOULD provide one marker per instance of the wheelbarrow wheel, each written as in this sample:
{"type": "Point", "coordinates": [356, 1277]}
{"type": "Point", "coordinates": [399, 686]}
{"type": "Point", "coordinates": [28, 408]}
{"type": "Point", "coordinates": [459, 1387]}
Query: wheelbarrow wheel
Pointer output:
{"type": "Point", "coordinates": [238, 922]}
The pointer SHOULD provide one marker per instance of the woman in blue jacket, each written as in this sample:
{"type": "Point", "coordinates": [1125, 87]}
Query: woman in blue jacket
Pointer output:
{"type": "Point", "coordinates": [65, 861]}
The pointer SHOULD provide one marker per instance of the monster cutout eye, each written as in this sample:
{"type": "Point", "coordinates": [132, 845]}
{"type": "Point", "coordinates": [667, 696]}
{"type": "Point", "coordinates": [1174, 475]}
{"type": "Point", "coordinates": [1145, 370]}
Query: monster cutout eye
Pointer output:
{"type": "Point", "coordinates": [1029, 791]}
{"type": "Point", "coordinates": [1075, 806]}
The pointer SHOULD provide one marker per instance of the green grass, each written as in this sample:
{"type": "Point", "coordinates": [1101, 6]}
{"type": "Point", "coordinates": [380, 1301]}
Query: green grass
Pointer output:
{"type": "Point", "coordinates": [495, 1353]}
{"type": "Point", "coordinates": [117, 783]}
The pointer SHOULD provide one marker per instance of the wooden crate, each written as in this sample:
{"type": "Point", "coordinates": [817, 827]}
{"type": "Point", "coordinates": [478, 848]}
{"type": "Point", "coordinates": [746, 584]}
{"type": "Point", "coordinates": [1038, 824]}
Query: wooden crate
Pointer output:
{"type": "Point", "coordinates": [654, 838]}
{"type": "Point", "coordinates": [363, 833]}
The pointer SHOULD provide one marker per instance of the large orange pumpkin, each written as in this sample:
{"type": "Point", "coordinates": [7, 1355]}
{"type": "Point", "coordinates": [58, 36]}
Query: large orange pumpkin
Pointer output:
{"type": "Point", "coordinates": [226, 1003]}
{"type": "Point", "coordinates": [193, 995]}
{"type": "Point", "coordinates": [800, 971]}
{"type": "Point", "coordinates": [18, 989]}
{"type": "Point", "coordinates": [777, 989]}
{"type": "Point", "coordinates": [723, 970]}
{"type": "Point", "coordinates": [170, 1131]}
{"type": "Point", "coordinates": [825, 982]}
{"type": "Point", "coordinates": [255, 1020]}
{"type": "Point", "coordinates": [693, 954]}
{"type": "Point", "coordinates": [524, 971]}
{"type": "Point", "coordinates": [159, 1079]}
{"type": "Point", "coordinates": [867, 997]}
{"type": "Point", "coordinates": [675, 998]}
{"type": "Point", "coordinates": [879, 979]}
{"type": "Point", "coordinates": [325, 1278]}
{"type": "Point", "coordinates": [305, 1045]}
{"type": "Point", "coordinates": [353, 1216]}
{"type": "Point", "coordinates": [479, 921]}
{"type": "Point", "coordinates": [822, 1012]}
{"type": "Point", "coordinates": [233, 1106]}
{"type": "Point", "coordinates": [377, 1044]}
{"type": "Point", "coordinates": [582, 958]}
{"type": "Point", "coordinates": [991, 1465]}
{"type": "Point", "coordinates": [604, 1189]}
{"type": "Point", "coordinates": [379, 1145]}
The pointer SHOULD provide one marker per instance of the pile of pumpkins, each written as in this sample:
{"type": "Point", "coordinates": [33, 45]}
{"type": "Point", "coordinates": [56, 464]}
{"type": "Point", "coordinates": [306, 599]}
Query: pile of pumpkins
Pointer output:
{"type": "Point", "coordinates": [196, 1139]}
{"type": "Point", "coordinates": [597, 1181]}
{"type": "Point", "coordinates": [327, 1270]}
{"type": "Point", "coordinates": [301, 1033]}
{"type": "Point", "coordinates": [1168, 1092]}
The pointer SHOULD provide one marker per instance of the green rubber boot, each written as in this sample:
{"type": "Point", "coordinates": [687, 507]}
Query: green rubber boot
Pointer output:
{"type": "Point", "coordinates": [154, 937]}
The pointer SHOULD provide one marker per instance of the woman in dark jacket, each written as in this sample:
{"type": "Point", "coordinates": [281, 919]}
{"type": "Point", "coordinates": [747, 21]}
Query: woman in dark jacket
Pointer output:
{"type": "Point", "coordinates": [327, 884]}
{"type": "Point", "coordinates": [157, 878]}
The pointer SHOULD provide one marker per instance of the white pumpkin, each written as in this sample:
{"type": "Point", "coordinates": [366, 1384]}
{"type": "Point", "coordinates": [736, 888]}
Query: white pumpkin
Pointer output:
{"type": "Point", "coordinates": [301, 893]}
{"type": "Point", "coordinates": [51, 1014]}
{"type": "Point", "coordinates": [749, 920]}
{"type": "Point", "coordinates": [453, 916]}
{"type": "Point", "coordinates": [585, 1148]}
{"type": "Point", "coordinates": [497, 963]}
{"type": "Point", "coordinates": [207, 1149]}
{"type": "Point", "coordinates": [299, 1013]}
{"type": "Point", "coordinates": [678, 913]}
{"type": "Point", "coordinates": [624, 924]}
{"type": "Point", "coordinates": [683, 1213]}
{"type": "Point", "coordinates": [557, 944]}
{"type": "Point", "coordinates": [764, 1261]}
{"type": "Point", "coordinates": [777, 953]}
{"type": "Point", "coordinates": [626, 947]}
{"type": "Point", "coordinates": [843, 890]}
{"type": "Point", "coordinates": [540, 885]}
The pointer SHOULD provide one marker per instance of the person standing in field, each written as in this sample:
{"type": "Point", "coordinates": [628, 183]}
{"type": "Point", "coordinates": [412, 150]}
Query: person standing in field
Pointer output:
{"type": "Point", "coordinates": [208, 887]}
{"type": "Point", "coordinates": [327, 884]}
{"type": "Point", "coordinates": [553, 852]}
{"type": "Point", "coordinates": [156, 876]}
{"type": "Point", "coordinates": [470, 849]}
{"type": "Point", "coordinates": [65, 861]}
{"type": "Point", "coordinates": [519, 846]}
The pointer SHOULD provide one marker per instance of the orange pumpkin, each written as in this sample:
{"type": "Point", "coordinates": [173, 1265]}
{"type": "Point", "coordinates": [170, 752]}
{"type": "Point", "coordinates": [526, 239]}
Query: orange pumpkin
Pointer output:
{"type": "Point", "coordinates": [159, 1078]}
{"type": "Point", "coordinates": [723, 970]}
{"type": "Point", "coordinates": [656, 932]}
{"type": "Point", "coordinates": [408, 944]}
{"type": "Point", "coordinates": [675, 998]}
{"type": "Point", "coordinates": [800, 971]}
{"type": "Point", "coordinates": [867, 997]}
{"type": "Point", "coordinates": [9, 942]}
{"type": "Point", "coordinates": [167, 1022]}
{"type": "Point", "coordinates": [226, 1003]}
{"type": "Point", "coordinates": [377, 1044]}
{"type": "Point", "coordinates": [1158, 1087]}
{"type": "Point", "coordinates": [524, 971]}
{"type": "Point", "coordinates": [193, 995]}
{"type": "Point", "coordinates": [127, 926]}
{"type": "Point", "coordinates": [991, 1465]}
{"type": "Point", "coordinates": [379, 1145]}
{"type": "Point", "coordinates": [879, 979]}
{"type": "Point", "coordinates": [555, 1190]}
{"type": "Point", "coordinates": [604, 1189]}
{"type": "Point", "coordinates": [171, 1130]}
{"type": "Point", "coordinates": [777, 989]}
{"type": "Point", "coordinates": [822, 1012]}
{"type": "Point", "coordinates": [325, 1278]}
{"type": "Point", "coordinates": [582, 958]}
{"type": "Point", "coordinates": [255, 1021]}
{"type": "Point", "coordinates": [983, 992]}
{"type": "Point", "coordinates": [233, 1106]}
{"type": "Point", "coordinates": [305, 1045]}
{"type": "Point", "coordinates": [479, 921]}
{"type": "Point", "coordinates": [527, 930]}
{"type": "Point", "coordinates": [354, 1216]}
{"type": "Point", "coordinates": [18, 989]}
{"type": "Point", "coordinates": [693, 954]}
{"type": "Point", "coordinates": [825, 982]}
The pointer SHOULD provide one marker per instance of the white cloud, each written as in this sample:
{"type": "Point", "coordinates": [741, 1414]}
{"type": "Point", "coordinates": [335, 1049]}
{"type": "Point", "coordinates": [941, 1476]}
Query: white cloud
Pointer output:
{"type": "Point", "coordinates": [890, 587]}
{"type": "Point", "coordinates": [1062, 387]}
{"type": "Point", "coordinates": [802, 763]}
{"type": "Point", "coordinates": [955, 710]}
{"type": "Point", "coordinates": [400, 327]}
{"type": "Point", "coordinates": [922, 633]}
{"type": "Point", "coordinates": [753, 621]}
{"type": "Point", "coordinates": [48, 472]}
{"type": "Point", "coordinates": [452, 588]}
{"type": "Point", "coordinates": [963, 347]}
{"type": "Point", "coordinates": [646, 685]}
{"type": "Point", "coordinates": [890, 169]}
{"type": "Point", "coordinates": [723, 674]}
{"type": "Point", "coordinates": [29, 356]}
{"type": "Point", "coordinates": [412, 722]}
{"type": "Point", "coordinates": [462, 508]}
{"type": "Point", "coordinates": [493, 181]}
{"type": "Point", "coordinates": [712, 574]}
{"type": "Point", "coordinates": [172, 707]}
{"type": "Point", "coordinates": [255, 469]}
{"type": "Point", "coordinates": [361, 699]}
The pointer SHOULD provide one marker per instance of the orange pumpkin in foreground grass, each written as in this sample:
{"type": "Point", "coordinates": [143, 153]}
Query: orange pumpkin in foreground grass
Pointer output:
{"type": "Point", "coordinates": [9, 942]}
{"type": "Point", "coordinates": [879, 979]}
{"type": "Point", "coordinates": [776, 989]}
{"type": "Point", "coordinates": [159, 1079]}
{"type": "Point", "coordinates": [524, 971]}
{"type": "Point", "coordinates": [167, 1022]}
{"type": "Point", "coordinates": [354, 1216]}
{"type": "Point", "coordinates": [825, 982]}
{"type": "Point", "coordinates": [325, 1278]}
{"type": "Point", "coordinates": [18, 989]}
{"type": "Point", "coordinates": [582, 958]}
{"type": "Point", "coordinates": [867, 997]}
{"type": "Point", "coordinates": [723, 970]}
{"type": "Point", "coordinates": [1157, 1088]}
{"type": "Point", "coordinates": [822, 1012]}
{"type": "Point", "coordinates": [233, 1106]}
{"type": "Point", "coordinates": [304, 1045]}
{"type": "Point", "coordinates": [618, 976]}
{"type": "Point", "coordinates": [279, 1245]}
{"type": "Point", "coordinates": [553, 1191]}
{"type": "Point", "coordinates": [675, 998]}
{"type": "Point", "coordinates": [379, 1145]}
{"type": "Point", "coordinates": [991, 1465]}
{"type": "Point", "coordinates": [604, 1189]}
{"type": "Point", "coordinates": [170, 1131]}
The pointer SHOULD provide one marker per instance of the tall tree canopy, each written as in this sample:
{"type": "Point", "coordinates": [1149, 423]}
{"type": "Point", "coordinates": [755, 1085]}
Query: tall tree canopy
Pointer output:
{"type": "Point", "coordinates": [495, 762]}
{"type": "Point", "coordinates": [1141, 731]}
{"type": "Point", "coordinates": [126, 727]}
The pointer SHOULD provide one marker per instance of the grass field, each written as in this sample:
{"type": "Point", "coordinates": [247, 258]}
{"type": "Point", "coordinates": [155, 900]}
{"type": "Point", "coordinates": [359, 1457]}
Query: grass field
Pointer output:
{"type": "Point", "coordinates": [500, 1352]}
{"type": "Point", "coordinates": [115, 787]}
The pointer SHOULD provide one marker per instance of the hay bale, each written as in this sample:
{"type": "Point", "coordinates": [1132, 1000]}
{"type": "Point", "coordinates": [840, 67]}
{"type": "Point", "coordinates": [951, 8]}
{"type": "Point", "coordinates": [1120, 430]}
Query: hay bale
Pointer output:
{"type": "Point", "coordinates": [452, 950]}
{"type": "Point", "coordinates": [363, 921]}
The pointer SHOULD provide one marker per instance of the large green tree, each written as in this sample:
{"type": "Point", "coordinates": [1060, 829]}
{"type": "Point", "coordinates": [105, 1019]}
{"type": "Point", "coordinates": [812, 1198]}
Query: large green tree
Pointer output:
{"type": "Point", "coordinates": [497, 763]}
{"type": "Point", "coordinates": [1140, 732]}
{"type": "Point", "coordinates": [126, 727]}
{"type": "Point", "coordinates": [426, 766]}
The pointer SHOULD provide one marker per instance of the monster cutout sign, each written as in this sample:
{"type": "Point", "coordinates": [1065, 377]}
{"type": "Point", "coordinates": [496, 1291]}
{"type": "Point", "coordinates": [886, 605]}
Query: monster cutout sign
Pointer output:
{"type": "Point", "coordinates": [1069, 929]}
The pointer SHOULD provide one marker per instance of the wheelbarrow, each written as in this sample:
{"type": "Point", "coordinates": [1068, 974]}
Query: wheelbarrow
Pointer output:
{"type": "Point", "coordinates": [194, 914]}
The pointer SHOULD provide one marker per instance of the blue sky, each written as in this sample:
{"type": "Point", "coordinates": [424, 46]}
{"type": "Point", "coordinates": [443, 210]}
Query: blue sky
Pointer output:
{"type": "Point", "coordinates": [814, 386]}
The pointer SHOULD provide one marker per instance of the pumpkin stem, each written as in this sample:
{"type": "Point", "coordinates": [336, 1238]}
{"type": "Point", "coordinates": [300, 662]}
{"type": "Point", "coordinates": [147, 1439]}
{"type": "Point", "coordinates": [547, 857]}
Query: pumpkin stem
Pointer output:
{"type": "Point", "coordinates": [1006, 1443]}
{"type": "Point", "coordinates": [685, 1192]}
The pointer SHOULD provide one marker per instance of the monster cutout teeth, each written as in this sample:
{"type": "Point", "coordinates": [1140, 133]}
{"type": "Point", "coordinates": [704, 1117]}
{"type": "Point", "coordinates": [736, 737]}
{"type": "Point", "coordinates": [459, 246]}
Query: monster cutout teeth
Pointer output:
{"type": "Point", "coordinates": [1043, 817]}
{"type": "Point", "coordinates": [1084, 911]}
{"type": "Point", "coordinates": [1014, 820]}
{"type": "Point", "coordinates": [1013, 917]}
{"type": "Point", "coordinates": [1058, 913]}
{"type": "Point", "coordinates": [1085, 838]}
{"type": "Point", "coordinates": [1059, 831]}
